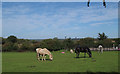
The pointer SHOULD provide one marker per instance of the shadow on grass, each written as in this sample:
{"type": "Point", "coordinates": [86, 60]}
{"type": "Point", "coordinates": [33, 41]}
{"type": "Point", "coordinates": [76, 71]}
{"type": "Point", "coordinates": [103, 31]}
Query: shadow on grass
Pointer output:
{"type": "Point", "coordinates": [46, 60]}
{"type": "Point", "coordinates": [31, 66]}
{"type": "Point", "coordinates": [92, 59]}
{"type": "Point", "coordinates": [81, 57]}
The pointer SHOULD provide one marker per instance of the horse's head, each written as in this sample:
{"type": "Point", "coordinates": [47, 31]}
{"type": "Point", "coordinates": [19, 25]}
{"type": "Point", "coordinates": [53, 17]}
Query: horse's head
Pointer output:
{"type": "Point", "coordinates": [89, 52]}
{"type": "Point", "coordinates": [90, 55]}
{"type": "Point", "coordinates": [51, 57]}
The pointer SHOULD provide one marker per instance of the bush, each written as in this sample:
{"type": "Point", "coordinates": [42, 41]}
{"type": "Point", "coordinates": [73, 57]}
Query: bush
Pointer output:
{"type": "Point", "coordinates": [9, 46]}
{"type": "Point", "coordinates": [106, 43]}
{"type": "Point", "coordinates": [68, 44]}
{"type": "Point", "coordinates": [51, 44]}
{"type": "Point", "coordinates": [89, 42]}
{"type": "Point", "coordinates": [12, 39]}
{"type": "Point", "coordinates": [26, 46]}
{"type": "Point", "coordinates": [14, 44]}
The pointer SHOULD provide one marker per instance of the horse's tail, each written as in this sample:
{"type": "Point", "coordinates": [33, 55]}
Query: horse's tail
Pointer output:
{"type": "Point", "coordinates": [90, 54]}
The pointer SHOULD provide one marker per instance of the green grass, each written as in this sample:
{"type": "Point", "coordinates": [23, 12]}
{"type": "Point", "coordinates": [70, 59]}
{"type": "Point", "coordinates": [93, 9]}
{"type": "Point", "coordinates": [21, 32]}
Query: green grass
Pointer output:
{"type": "Point", "coordinates": [27, 62]}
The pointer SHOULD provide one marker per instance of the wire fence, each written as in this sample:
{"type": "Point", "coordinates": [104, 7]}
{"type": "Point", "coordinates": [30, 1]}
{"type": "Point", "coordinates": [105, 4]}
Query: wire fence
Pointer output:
{"type": "Point", "coordinates": [106, 49]}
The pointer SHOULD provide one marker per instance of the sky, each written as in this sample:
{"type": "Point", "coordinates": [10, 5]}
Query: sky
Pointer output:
{"type": "Point", "coordinates": [42, 20]}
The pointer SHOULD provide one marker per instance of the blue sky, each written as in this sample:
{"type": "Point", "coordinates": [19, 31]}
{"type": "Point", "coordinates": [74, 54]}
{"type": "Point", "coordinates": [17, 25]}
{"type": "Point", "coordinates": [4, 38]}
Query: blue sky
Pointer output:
{"type": "Point", "coordinates": [41, 20]}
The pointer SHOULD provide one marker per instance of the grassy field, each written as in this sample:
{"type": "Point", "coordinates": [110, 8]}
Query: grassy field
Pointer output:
{"type": "Point", "coordinates": [27, 62]}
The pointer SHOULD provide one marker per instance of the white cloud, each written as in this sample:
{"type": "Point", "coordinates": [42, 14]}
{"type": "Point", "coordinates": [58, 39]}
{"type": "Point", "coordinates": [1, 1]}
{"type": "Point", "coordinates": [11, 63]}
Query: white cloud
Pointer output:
{"type": "Point", "coordinates": [59, 23]}
{"type": "Point", "coordinates": [103, 23]}
{"type": "Point", "coordinates": [99, 15]}
{"type": "Point", "coordinates": [58, 0]}
{"type": "Point", "coordinates": [19, 9]}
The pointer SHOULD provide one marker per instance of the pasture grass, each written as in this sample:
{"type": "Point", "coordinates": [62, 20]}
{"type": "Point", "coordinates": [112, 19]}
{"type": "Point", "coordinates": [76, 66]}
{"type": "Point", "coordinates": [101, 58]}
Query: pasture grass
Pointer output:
{"type": "Point", "coordinates": [67, 62]}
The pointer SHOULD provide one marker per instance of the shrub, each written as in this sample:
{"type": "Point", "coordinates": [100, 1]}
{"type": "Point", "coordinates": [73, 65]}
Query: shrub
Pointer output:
{"type": "Point", "coordinates": [9, 46]}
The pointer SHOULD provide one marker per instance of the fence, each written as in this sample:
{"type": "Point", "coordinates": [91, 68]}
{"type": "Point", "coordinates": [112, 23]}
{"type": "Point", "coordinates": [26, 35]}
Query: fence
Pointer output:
{"type": "Point", "coordinates": [105, 49]}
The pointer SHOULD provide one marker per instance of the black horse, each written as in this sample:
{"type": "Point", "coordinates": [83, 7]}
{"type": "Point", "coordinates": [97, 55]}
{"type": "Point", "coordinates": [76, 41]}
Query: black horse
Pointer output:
{"type": "Point", "coordinates": [84, 50]}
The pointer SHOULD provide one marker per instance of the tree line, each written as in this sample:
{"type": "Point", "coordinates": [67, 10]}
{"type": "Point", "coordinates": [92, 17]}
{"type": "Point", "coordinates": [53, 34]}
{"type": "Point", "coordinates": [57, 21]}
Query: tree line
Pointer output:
{"type": "Point", "coordinates": [12, 43]}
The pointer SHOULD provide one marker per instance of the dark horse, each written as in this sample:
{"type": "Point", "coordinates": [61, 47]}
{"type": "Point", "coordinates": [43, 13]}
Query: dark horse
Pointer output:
{"type": "Point", "coordinates": [84, 50]}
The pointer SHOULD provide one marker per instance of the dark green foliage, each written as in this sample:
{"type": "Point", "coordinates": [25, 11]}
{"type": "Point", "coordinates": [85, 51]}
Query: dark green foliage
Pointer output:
{"type": "Point", "coordinates": [9, 46]}
{"type": "Point", "coordinates": [106, 43]}
{"type": "Point", "coordinates": [102, 36]}
{"type": "Point", "coordinates": [117, 41]}
{"type": "Point", "coordinates": [55, 44]}
{"type": "Point", "coordinates": [12, 39]}
{"type": "Point", "coordinates": [3, 40]}
{"type": "Point", "coordinates": [89, 42]}
{"type": "Point", "coordinates": [26, 46]}
{"type": "Point", "coordinates": [0, 40]}
{"type": "Point", "coordinates": [68, 43]}
{"type": "Point", "coordinates": [51, 44]}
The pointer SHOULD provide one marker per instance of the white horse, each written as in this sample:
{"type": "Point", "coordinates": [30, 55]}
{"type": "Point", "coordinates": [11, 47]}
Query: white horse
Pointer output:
{"type": "Point", "coordinates": [43, 52]}
{"type": "Point", "coordinates": [71, 51]}
{"type": "Point", "coordinates": [100, 48]}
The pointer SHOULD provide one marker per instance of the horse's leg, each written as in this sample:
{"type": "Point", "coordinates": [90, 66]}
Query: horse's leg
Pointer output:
{"type": "Point", "coordinates": [84, 54]}
{"type": "Point", "coordinates": [98, 50]}
{"type": "Point", "coordinates": [89, 54]}
{"type": "Point", "coordinates": [102, 50]}
{"type": "Point", "coordinates": [77, 55]}
{"type": "Point", "coordinates": [45, 58]}
{"type": "Point", "coordinates": [38, 56]}
{"type": "Point", "coordinates": [42, 57]}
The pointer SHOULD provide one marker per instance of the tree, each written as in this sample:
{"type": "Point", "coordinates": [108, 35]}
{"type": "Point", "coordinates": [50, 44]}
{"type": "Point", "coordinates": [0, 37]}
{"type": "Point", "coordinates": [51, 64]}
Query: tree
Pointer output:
{"type": "Point", "coordinates": [12, 39]}
{"type": "Point", "coordinates": [106, 43]}
{"type": "Point", "coordinates": [0, 40]}
{"type": "Point", "coordinates": [68, 43]}
{"type": "Point", "coordinates": [117, 41]}
{"type": "Point", "coordinates": [102, 36]}
{"type": "Point", "coordinates": [57, 43]}
{"type": "Point", "coordinates": [51, 44]}
{"type": "Point", "coordinates": [9, 46]}
{"type": "Point", "coordinates": [89, 42]}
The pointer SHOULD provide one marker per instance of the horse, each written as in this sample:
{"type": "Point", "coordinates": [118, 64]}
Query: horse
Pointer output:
{"type": "Point", "coordinates": [71, 51]}
{"type": "Point", "coordinates": [43, 53]}
{"type": "Point", "coordinates": [100, 48]}
{"type": "Point", "coordinates": [84, 50]}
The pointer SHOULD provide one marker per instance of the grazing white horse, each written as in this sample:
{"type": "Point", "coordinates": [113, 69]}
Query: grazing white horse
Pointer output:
{"type": "Point", "coordinates": [100, 48]}
{"type": "Point", "coordinates": [43, 52]}
{"type": "Point", "coordinates": [71, 51]}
